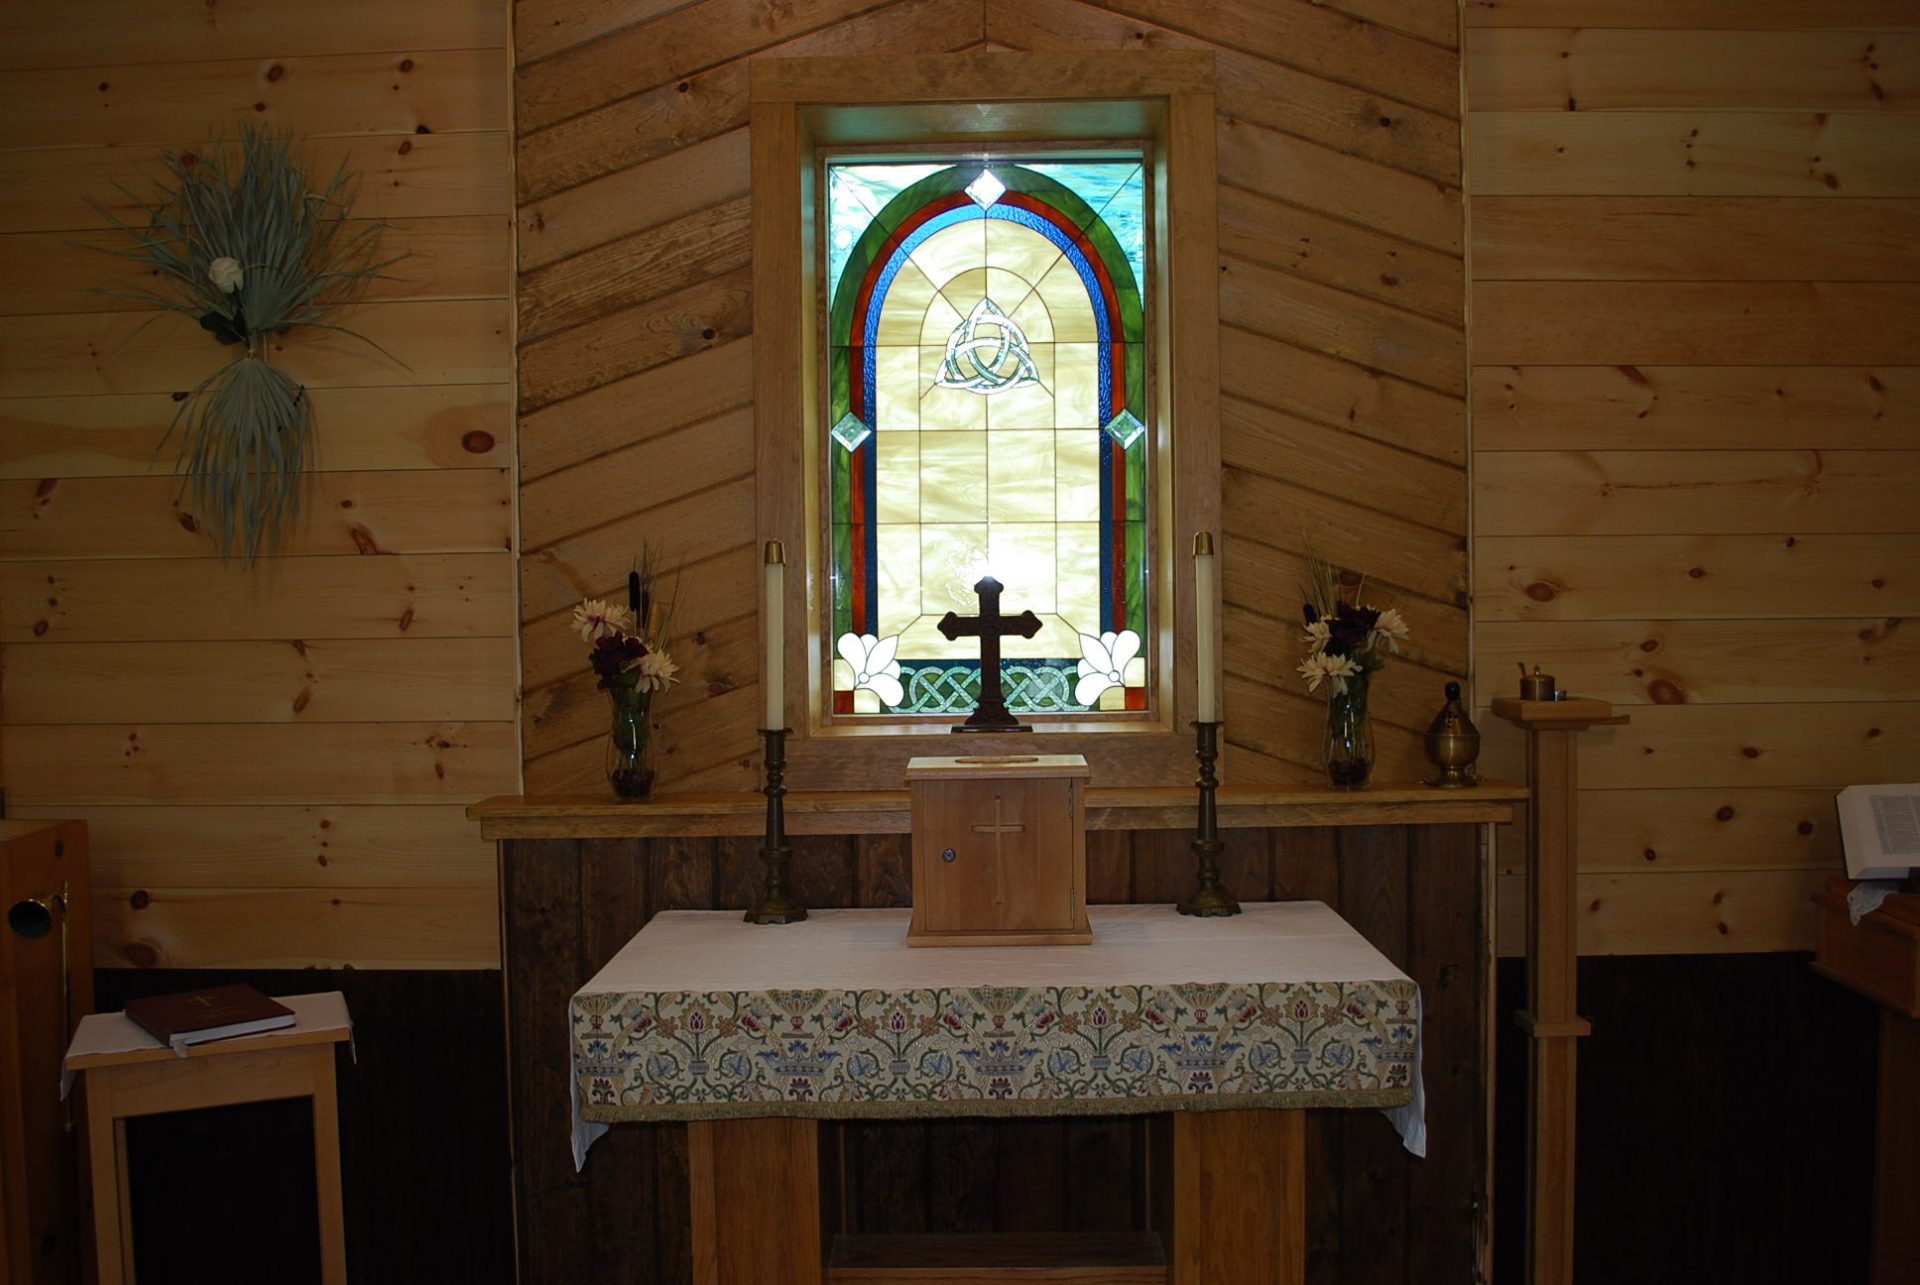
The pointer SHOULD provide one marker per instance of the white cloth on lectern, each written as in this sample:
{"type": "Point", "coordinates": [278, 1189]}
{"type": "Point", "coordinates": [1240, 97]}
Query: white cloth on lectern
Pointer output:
{"type": "Point", "coordinates": [1865, 897]}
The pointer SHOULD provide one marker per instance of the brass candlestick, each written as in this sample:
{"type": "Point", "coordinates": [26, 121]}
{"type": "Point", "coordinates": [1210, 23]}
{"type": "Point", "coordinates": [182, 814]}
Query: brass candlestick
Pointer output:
{"type": "Point", "coordinates": [776, 907]}
{"type": "Point", "coordinates": [1209, 900]}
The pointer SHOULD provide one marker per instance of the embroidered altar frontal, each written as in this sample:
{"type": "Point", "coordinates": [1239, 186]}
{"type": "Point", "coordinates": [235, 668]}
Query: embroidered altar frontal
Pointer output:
{"type": "Point", "coordinates": [703, 1016]}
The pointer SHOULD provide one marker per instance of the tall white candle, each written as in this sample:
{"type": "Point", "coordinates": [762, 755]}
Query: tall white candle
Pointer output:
{"type": "Point", "coordinates": [1205, 648]}
{"type": "Point", "coordinates": [775, 611]}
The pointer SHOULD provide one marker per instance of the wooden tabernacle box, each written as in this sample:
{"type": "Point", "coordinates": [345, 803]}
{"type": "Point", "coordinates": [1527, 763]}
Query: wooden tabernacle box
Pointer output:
{"type": "Point", "coordinates": [999, 850]}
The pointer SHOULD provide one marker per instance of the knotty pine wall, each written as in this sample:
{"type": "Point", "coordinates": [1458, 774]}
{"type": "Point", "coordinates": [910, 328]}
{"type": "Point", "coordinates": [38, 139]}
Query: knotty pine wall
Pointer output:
{"type": "Point", "coordinates": [1696, 322]}
{"type": "Point", "coordinates": [1342, 345]}
{"type": "Point", "coordinates": [273, 762]}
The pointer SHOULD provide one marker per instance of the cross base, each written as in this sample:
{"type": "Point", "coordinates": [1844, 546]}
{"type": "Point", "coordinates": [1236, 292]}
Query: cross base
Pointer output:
{"type": "Point", "coordinates": [978, 724]}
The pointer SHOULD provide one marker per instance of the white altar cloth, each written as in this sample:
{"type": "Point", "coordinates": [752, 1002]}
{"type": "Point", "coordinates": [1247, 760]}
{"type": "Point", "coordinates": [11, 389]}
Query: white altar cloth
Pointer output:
{"type": "Point", "coordinates": [702, 1015]}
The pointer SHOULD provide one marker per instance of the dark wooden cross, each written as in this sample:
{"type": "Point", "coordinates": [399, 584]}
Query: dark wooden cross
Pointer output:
{"type": "Point", "coordinates": [990, 627]}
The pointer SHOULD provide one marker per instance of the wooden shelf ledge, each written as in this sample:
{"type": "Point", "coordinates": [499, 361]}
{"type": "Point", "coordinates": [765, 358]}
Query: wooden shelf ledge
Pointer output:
{"type": "Point", "coordinates": [590, 816]}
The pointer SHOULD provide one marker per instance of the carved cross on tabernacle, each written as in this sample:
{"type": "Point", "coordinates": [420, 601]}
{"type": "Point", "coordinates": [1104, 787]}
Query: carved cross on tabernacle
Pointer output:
{"type": "Point", "coordinates": [990, 627]}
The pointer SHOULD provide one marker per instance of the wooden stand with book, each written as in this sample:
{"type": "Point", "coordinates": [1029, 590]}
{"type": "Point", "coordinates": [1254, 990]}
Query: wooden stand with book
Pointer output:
{"type": "Point", "coordinates": [130, 1073]}
{"type": "Point", "coordinates": [1880, 958]}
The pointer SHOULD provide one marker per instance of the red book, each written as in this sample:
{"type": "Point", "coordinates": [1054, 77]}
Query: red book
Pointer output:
{"type": "Point", "coordinates": [217, 1013]}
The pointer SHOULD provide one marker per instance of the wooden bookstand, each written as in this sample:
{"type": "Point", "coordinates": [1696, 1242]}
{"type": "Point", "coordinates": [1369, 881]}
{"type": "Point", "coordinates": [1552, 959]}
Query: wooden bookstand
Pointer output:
{"type": "Point", "coordinates": [999, 850]}
{"type": "Point", "coordinates": [1880, 958]}
{"type": "Point", "coordinates": [128, 1074]}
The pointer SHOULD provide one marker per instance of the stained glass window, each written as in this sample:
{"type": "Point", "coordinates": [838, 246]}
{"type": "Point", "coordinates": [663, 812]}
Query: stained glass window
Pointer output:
{"type": "Point", "coordinates": [988, 416]}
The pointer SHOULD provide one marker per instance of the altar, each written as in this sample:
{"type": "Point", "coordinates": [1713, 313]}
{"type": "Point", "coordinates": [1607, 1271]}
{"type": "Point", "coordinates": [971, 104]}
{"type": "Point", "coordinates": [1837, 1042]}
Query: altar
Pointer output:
{"type": "Point", "coordinates": [1247, 1022]}
{"type": "Point", "coordinates": [1405, 866]}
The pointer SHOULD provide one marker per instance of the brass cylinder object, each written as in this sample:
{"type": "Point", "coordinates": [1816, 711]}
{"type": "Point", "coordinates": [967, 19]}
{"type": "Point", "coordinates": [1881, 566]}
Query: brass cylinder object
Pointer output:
{"type": "Point", "coordinates": [1535, 686]}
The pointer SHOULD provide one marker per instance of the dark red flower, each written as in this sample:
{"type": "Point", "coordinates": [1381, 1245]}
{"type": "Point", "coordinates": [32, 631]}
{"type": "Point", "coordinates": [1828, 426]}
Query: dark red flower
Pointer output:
{"type": "Point", "coordinates": [1349, 628]}
{"type": "Point", "coordinates": [613, 655]}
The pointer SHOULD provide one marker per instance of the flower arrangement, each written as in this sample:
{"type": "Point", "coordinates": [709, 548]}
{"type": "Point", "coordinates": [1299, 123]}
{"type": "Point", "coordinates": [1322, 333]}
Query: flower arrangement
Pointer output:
{"type": "Point", "coordinates": [1345, 640]}
{"type": "Point", "coordinates": [628, 654]}
{"type": "Point", "coordinates": [1347, 644]}
{"type": "Point", "coordinates": [248, 246]}
{"type": "Point", "coordinates": [622, 655]}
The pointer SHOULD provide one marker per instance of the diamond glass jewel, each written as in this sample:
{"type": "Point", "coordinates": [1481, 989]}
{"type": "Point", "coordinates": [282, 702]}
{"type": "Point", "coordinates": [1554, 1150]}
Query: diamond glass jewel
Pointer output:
{"type": "Point", "coordinates": [986, 189]}
{"type": "Point", "coordinates": [1124, 428]}
{"type": "Point", "coordinates": [851, 431]}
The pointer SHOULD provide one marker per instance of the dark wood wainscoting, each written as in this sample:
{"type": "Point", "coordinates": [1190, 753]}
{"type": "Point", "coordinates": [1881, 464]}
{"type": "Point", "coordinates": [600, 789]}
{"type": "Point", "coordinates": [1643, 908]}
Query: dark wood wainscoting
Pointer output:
{"type": "Point", "coordinates": [227, 1194]}
{"type": "Point", "coordinates": [1726, 1122]}
{"type": "Point", "coordinates": [1375, 1214]}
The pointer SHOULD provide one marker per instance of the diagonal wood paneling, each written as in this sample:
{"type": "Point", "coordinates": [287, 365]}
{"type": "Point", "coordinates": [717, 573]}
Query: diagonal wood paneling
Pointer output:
{"type": "Point", "coordinates": [1343, 349]}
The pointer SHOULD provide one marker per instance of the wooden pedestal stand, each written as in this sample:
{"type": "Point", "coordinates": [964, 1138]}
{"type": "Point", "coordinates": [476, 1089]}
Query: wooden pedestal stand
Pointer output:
{"type": "Point", "coordinates": [1551, 1018]}
{"type": "Point", "coordinates": [1880, 958]}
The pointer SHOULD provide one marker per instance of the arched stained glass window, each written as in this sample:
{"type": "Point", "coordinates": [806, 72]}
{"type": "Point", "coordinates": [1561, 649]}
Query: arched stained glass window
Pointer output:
{"type": "Point", "coordinates": [988, 416]}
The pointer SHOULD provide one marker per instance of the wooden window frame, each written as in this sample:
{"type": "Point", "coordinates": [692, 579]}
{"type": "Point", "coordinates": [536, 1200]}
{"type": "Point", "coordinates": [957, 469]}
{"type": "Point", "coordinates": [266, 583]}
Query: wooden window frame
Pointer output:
{"type": "Point", "coordinates": [798, 105]}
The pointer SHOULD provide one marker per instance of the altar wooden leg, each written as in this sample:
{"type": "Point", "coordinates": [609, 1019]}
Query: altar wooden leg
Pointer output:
{"type": "Point", "coordinates": [755, 1200]}
{"type": "Point", "coordinates": [1239, 1197]}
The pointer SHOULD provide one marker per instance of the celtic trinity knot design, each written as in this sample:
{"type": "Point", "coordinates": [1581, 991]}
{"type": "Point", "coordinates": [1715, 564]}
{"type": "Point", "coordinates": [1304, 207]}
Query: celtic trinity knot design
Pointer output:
{"type": "Point", "coordinates": [987, 353]}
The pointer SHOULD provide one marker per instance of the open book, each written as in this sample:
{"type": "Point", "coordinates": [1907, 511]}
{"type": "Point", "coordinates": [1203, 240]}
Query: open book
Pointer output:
{"type": "Point", "coordinates": [1880, 830]}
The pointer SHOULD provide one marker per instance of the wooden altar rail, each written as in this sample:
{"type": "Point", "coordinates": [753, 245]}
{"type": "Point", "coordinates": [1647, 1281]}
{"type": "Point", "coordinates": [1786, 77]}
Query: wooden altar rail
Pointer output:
{"type": "Point", "coordinates": [1407, 867]}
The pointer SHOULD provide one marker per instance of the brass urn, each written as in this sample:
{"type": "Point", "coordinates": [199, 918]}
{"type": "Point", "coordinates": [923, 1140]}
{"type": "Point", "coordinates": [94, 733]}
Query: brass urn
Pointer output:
{"type": "Point", "coordinates": [1453, 743]}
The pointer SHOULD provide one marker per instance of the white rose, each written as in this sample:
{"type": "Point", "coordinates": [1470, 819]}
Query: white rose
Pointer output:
{"type": "Point", "coordinates": [226, 274]}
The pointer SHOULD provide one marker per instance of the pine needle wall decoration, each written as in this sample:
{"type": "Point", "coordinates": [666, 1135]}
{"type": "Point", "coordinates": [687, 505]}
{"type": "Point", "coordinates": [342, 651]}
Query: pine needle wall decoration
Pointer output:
{"type": "Point", "coordinates": [243, 241]}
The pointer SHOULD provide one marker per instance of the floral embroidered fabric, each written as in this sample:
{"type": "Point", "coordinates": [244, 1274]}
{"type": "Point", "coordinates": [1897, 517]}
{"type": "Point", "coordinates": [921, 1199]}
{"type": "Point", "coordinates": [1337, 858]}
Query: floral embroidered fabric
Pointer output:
{"type": "Point", "coordinates": [1022, 1031]}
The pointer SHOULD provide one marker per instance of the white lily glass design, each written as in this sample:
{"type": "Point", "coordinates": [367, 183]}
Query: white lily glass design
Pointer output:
{"type": "Point", "coordinates": [1103, 661]}
{"type": "Point", "coordinates": [873, 664]}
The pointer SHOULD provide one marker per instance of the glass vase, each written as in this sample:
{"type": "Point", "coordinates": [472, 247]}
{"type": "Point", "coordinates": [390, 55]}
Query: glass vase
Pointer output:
{"type": "Point", "coordinates": [630, 743]}
{"type": "Point", "coordinates": [1348, 751]}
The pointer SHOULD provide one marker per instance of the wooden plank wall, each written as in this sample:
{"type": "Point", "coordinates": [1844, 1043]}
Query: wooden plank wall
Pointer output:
{"type": "Point", "coordinates": [273, 762]}
{"type": "Point", "coordinates": [1343, 355]}
{"type": "Point", "coordinates": [1696, 277]}
{"type": "Point", "coordinates": [1374, 1213]}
